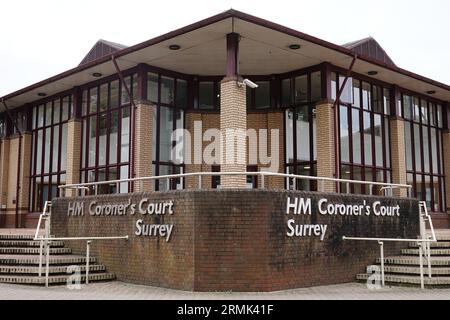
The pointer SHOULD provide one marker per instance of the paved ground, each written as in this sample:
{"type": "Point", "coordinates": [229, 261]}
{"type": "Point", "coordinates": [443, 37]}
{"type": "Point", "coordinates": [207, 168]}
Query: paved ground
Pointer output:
{"type": "Point", "coordinates": [123, 291]}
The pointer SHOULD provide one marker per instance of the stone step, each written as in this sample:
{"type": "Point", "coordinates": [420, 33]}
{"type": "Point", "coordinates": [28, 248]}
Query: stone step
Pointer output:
{"type": "Point", "coordinates": [52, 269]}
{"type": "Point", "coordinates": [414, 261]}
{"type": "Point", "coordinates": [16, 237]}
{"type": "Point", "coordinates": [9, 259]}
{"type": "Point", "coordinates": [13, 250]}
{"type": "Point", "coordinates": [433, 252]}
{"type": "Point", "coordinates": [436, 271]}
{"type": "Point", "coordinates": [439, 244]}
{"type": "Point", "coordinates": [28, 243]}
{"type": "Point", "coordinates": [409, 280]}
{"type": "Point", "coordinates": [54, 279]}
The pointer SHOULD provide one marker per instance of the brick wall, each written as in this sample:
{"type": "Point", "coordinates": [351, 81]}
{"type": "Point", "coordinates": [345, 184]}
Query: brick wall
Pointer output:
{"type": "Point", "coordinates": [446, 153]}
{"type": "Point", "coordinates": [236, 240]}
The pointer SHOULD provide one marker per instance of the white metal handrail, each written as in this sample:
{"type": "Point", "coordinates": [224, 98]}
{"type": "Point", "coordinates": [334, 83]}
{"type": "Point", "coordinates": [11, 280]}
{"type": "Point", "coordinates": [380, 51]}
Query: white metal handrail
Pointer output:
{"type": "Point", "coordinates": [262, 174]}
{"type": "Point", "coordinates": [423, 242]}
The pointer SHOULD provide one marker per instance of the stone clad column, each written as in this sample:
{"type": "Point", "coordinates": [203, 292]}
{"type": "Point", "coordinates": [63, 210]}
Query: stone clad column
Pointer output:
{"type": "Point", "coordinates": [74, 145]}
{"type": "Point", "coordinates": [398, 154]}
{"type": "Point", "coordinates": [143, 145]}
{"type": "Point", "coordinates": [326, 152]}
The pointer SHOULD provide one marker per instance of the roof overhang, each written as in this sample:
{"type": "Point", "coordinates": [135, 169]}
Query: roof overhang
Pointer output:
{"type": "Point", "coordinates": [263, 50]}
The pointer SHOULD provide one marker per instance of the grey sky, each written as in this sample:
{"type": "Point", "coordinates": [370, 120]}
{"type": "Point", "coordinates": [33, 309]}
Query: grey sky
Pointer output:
{"type": "Point", "coordinates": [42, 38]}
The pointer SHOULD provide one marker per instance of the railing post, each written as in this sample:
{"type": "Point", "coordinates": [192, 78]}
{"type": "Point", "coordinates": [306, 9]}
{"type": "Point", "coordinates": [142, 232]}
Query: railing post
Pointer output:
{"type": "Point", "coordinates": [422, 285]}
{"type": "Point", "coordinates": [262, 181]}
{"type": "Point", "coordinates": [88, 247]}
{"type": "Point", "coordinates": [41, 249]}
{"type": "Point", "coordinates": [200, 182]}
{"type": "Point", "coordinates": [95, 189]}
{"type": "Point", "coordinates": [347, 187]}
{"type": "Point", "coordinates": [47, 262]}
{"type": "Point", "coordinates": [168, 184]}
{"type": "Point", "coordinates": [382, 262]}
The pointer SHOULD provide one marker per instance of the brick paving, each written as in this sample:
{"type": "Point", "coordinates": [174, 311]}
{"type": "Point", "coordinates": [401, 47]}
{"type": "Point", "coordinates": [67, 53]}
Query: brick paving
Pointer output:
{"type": "Point", "coordinates": [123, 291]}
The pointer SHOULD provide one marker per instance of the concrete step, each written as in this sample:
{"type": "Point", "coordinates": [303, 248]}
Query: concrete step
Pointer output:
{"type": "Point", "coordinates": [433, 252]}
{"type": "Point", "coordinates": [414, 261]}
{"type": "Point", "coordinates": [29, 270]}
{"type": "Point", "coordinates": [12, 250]}
{"type": "Point", "coordinates": [9, 259]}
{"type": "Point", "coordinates": [54, 279]}
{"type": "Point", "coordinates": [439, 244]}
{"type": "Point", "coordinates": [28, 243]}
{"type": "Point", "coordinates": [413, 270]}
{"type": "Point", "coordinates": [410, 280]}
{"type": "Point", "coordinates": [16, 237]}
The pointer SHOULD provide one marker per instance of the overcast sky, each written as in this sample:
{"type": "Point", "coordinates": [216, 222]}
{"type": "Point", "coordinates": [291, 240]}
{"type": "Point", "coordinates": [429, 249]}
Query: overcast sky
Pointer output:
{"type": "Point", "coordinates": [42, 38]}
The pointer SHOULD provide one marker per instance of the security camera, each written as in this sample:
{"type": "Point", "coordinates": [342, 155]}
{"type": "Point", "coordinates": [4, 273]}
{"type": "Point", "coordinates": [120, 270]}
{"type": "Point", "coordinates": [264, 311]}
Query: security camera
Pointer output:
{"type": "Point", "coordinates": [248, 83]}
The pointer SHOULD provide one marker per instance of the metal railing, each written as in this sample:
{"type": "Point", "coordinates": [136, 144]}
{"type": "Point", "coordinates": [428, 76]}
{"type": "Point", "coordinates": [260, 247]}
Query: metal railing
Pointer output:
{"type": "Point", "coordinates": [45, 241]}
{"type": "Point", "coordinates": [384, 187]}
{"type": "Point", "coordinates": [423, 243]}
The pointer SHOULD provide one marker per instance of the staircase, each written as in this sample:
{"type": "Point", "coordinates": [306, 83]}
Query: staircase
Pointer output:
{"type": "Point", "coordinates": [404, 269]}
{"type": "Point", "coordinates": [19, 262]}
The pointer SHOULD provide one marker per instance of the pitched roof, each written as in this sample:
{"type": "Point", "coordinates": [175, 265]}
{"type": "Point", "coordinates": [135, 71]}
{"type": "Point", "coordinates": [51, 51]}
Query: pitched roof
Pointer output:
{"type": "Point", "coordinates": [101, 49]}
{"type": "Point", "coordinates": [371, 48]}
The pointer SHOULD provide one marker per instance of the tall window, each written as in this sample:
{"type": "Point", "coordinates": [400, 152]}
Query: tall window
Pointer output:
{"type": "Point", "coordinates": [259, 98]}
{"type": "Point", "coordinates": [106, 133]}
{"type": "Point", "coordinates": [208, 95]}
{"type": "Point", "coordinates": [423, 147]}
{"type": "Point", "coordinates": [49, 150]}
{"type": "Point", "coordinates": [363, 133]}
{"type": "Point", "coordinates": [170, 97]}
{"type": "Point", "coordinates": [2, 126]}
{"type": "Point", "coordinates": [299, 96]}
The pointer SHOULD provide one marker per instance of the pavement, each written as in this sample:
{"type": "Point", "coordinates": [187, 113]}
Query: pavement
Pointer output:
{"type": "Point", "coordinates": [117, 290]}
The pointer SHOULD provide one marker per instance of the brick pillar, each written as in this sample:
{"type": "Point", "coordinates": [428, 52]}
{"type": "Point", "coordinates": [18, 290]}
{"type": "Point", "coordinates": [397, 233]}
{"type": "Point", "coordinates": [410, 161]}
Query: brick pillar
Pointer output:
{"type": "Point", "coordinates": [398, 155]}
{"type": "Point", "coordinates": [233, 116]}
{"type": "Point", "coordinates": [4, 167]}
{"type": "Point", "coordinates": [74, 145]}
{"type": "Point", "coordinates": [326, 153]}
{"type": "Point", "coordinates": [446, 153]}
{"type": "Point", "coordinates": [143, 145]}
{"type": "Point", "coordinates": [191, 167]}
{"type": "Point", "coordinates": [24, 182]}
{"type": "Point", "coordinates": [275, 121]}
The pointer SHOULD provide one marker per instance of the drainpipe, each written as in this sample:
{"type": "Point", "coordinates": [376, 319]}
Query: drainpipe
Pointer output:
{"type": "Point", "coordinates": [336, 114]}
{"type": "Point", "coordinates": [132, 115]}
{"type": "Point", "coordinates": [19, 156]}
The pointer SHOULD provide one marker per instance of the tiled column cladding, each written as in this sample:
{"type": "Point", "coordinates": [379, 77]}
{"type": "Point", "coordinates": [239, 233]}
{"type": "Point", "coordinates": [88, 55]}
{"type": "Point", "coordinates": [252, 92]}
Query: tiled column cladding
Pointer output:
{"type": "Point", "coordinates": [446, 153]}
{"type": "Point", "coordinates": [24, 182]}
{"type": "Point", "coordinates": [326, 144]}
{"type": "Point", "coordinates": [233, 115]}
{"type": "Point", "coordinates": [74, 142]}
{"type": "Point", "coordinates": [4, 165]}
{"type": "Point", "coordinates": [143, 145]}
{"type": "Point", "coordinates": [398, 155]}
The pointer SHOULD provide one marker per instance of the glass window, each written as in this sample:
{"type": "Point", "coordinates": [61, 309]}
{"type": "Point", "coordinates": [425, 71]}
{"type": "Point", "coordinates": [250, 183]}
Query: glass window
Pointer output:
{"type": "Point", "coordinates": [407, 107]}
{"type": "Point", "coordinates": [286, 92]}
{"type": "Point", "coordinates": [167, 90]}
{"type": "Point", "coordinates": [347, 92]}
{"type": "Point", "coordinates": [356, 94]}
{"type": "Point", "coordinates": [93, 100]}
{"type": "Point", "coordinates": [206, 95]}
{"type": "Point", "coordinates": [316, 86]}
{"type": "Point", "coordinates": [182, 93]}
{"type": "Point", "coordinates": [344, 133]}
{"type": "Point", "coordinates": [386, 101]}
{"type": "Point", "coordinates": [262, 95]}
{"type": "Point", "coordinates": [152, 87]}
{"type": "Point", "coordinates": [366, 96]}
{"type": "Point", "coordinates": [114, 94]}
{"type": "Point", "coordinates": [367, 132]}
{"type": "Point", "coordinates": [356, 136]}
{"type": "Point", "coordinates": [103, 97]}
{"type": "Point", "coordinates": [303, 147]}
{"type": "Point", "coordinates": [301, 89]}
